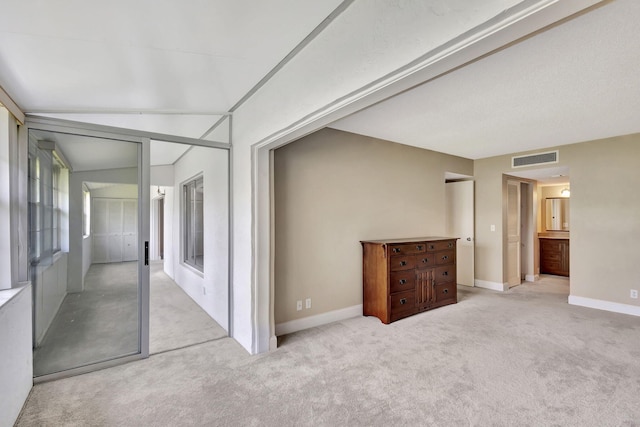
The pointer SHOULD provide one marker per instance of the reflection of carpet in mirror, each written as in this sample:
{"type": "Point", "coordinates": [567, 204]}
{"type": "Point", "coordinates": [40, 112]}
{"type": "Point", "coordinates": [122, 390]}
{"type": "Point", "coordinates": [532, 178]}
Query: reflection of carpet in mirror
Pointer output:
{"type": "Point", "coordinates": [98, 324]}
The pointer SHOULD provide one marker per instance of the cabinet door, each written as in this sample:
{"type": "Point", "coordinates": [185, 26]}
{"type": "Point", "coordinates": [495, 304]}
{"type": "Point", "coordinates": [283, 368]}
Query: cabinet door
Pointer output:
{"type": "Point", "coordinates": [425, 282]}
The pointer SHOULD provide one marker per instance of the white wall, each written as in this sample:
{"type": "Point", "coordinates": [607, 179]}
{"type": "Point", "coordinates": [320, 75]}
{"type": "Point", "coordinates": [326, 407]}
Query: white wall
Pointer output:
{"type": "Point", "coordinates": [171, 236]}
{"type": "Point", "coordinates": [87, 257]}
{"type": "Point", "coordinates": [161, 175]}
{"type": "Point", "coordinates": [210, 289]}
{"type": "Point", "coordinates": [49, 292]}
{"type": "Point", "coordinates": [77, 267]}
{"type": "Point", "coordinates": [16, 357]}
{"type": "Point", "coordinates": [5, 201]}
{"type": "Point", "coordinates": [161, 178]}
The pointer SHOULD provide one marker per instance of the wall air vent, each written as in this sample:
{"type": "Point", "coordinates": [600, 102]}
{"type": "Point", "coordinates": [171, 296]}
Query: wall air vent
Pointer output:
{"type": "Point", "coordinates": [535, 159]}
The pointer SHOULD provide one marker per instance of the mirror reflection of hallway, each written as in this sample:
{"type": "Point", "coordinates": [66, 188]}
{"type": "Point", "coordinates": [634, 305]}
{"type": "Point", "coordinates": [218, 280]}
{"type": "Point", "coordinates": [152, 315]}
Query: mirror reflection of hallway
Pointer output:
{"type": "Point", "coordinates": [189, 216]}
{"type": "Point", "coordinates": [85, 274]}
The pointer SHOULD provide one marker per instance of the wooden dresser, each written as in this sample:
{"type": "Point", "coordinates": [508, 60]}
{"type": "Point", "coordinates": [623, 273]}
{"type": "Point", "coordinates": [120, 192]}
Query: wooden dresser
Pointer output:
{"type": "Point", "coordinates": [554, 256]}
{"type": "Point", "coordinates": [402, 277]}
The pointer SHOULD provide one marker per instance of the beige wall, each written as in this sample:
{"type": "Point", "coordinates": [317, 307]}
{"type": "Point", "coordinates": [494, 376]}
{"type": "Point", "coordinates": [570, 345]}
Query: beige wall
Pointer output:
{"type": "Point", "coordinates": [605, 212]}
{"type": "Point", "coordinates": [333, 189]}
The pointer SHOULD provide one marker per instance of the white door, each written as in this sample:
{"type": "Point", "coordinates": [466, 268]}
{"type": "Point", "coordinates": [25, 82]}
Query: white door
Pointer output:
{"type": "Point", "coordinates": [513, 233]}
{"type": "Point", "coordinates": [460, 223]}
{"type": "Point", "coordinates": [115, 230]}
{"type": "Point", "coordinates": [100, 230]}
{"type": "Point", "coordinates": [129, 230]}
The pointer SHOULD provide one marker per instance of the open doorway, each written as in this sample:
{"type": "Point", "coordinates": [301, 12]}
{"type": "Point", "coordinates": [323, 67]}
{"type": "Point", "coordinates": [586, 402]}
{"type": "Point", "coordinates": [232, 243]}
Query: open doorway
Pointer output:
{"type": "Point", "coordinates": [189, 245]}
{"type": "Point", "coordinates": [544, 225]}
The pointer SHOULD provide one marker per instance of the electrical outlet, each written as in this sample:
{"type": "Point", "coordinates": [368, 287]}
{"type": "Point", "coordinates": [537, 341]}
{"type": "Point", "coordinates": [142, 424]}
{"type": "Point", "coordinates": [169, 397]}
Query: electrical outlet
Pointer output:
{"type": "Point", "coordinates": [493, 227]}
{"type": "Point", "coordinates": [299, 305]}
{"type": "Point", "coordinates": [634, 293]}
{"type": "Point", "coordinates": [307, 303]}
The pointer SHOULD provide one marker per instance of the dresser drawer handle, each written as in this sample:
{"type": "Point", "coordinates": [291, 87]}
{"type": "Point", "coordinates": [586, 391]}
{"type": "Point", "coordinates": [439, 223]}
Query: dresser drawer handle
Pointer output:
{"type": "Point", "coordinates": [431, 247]}
{"type": "Point", "coordinates": [450, 245]}
{"type": "Point", "coordinates": [445, 257]}
{"type": "Point", "coordinates": [396, 250]}
{"type": "Point", "coordinates": [446, 273]}
{"type": "Point", "coordinates": [403, 281]}
{"type": "Point", "coordinates": [419, 247]}
{"type": "Point", "coordinates": [403, 263]}
{"type": "Point", "coordinates": [425, 260]}
{"type": "Point", "coordinates": [445, 291]}
{"type": "Point", "coordinates": [403, 301]}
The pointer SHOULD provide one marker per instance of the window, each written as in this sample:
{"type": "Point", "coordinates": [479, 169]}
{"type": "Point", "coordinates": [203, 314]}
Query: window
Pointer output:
{"type": "Point", "coordinates": [48, 203]}
{"type": "Point", "coordinates": [193, 223]}
{"type": "Point", "coordinates": [55, 205]}
{"type": "Point", "coordinates": [86, 212]}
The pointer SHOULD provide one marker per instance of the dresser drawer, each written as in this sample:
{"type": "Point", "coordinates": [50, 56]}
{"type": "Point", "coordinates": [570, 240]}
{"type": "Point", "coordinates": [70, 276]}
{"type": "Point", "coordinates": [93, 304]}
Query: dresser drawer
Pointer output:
{"type": "Point", "coordinates": [402, 281]}
{"type": "Point", "coordinates": [424, 260]}
{"type": "Point", "coordinates": [407, 249]}
{"type": "Point", "coordinates": [551, 256]}
{"type": "Point", "coordinates": [550, 266]}
{"type": "Point", "coordinates": [445, 292]}
{"type": "Point", "coordinates": [445, 257]}
{"type": "Point", "coordinates": [403, 301]}
{"type": "Point", "coordinates": [439, 246]}
{"type": "Point", "coordinates": [551, 245]}
{"type": "Point", "coordinates": [400, 263]}
{"type": "Point", "coordinates": [445, 273]}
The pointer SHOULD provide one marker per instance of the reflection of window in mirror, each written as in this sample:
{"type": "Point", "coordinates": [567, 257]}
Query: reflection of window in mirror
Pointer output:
{"type": "Point", "coordinates": [557, 214]}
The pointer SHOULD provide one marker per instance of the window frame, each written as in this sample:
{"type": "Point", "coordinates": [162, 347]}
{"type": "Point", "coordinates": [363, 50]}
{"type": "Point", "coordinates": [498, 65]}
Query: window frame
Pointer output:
{"type": "Point", "coordinates": [192, 223]}
{"type": "Point", "coordinates": [86, 212]}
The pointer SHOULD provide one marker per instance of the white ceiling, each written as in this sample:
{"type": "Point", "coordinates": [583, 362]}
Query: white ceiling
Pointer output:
{"type": "Point", "coordinates": [123, 56]}
{"type": "Point", "coordinates": [172, 68]}
{"type": "Point", "coordinates": [575, 82]}
{"type": "Point", "coordinates": [83, 153]}
{"type": "Point", "coordinates": [166, 153]}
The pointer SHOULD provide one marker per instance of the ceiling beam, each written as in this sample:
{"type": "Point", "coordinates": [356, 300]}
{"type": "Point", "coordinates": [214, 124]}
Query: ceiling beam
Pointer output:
{"type": "Point", "coordinates": [10, 105]}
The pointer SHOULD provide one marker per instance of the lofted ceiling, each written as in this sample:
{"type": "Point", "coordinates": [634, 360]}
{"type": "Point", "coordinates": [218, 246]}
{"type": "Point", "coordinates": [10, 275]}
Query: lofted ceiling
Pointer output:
{"type": "Point", "coordinates": [177, 68]}
{"type": "Point", "coordinates": [167, 66]}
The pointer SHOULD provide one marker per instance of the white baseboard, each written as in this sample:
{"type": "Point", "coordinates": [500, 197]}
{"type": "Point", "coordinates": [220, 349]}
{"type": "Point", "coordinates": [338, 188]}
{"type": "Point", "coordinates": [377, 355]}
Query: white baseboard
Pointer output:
{"type": "Point", "coordinates": [532, 277]}
{"type": "Point", "coordinates": [318, 320]}
{"type": "Point", "coordinates": [494, 286]}
{"type": "Point", "coordinates": [615, 307]}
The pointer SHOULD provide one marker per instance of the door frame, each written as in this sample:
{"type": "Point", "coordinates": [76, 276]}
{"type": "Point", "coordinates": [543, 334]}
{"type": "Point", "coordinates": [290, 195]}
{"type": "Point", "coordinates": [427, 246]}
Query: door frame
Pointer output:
{"type": "Point", "coordinates": [61, 126]}
{"type": "Point", "coordinates": [527, 251]}
{"type": "Point", "coordinates": [144, 140]}
{"type": "Point", "coordinates": [468, 241]}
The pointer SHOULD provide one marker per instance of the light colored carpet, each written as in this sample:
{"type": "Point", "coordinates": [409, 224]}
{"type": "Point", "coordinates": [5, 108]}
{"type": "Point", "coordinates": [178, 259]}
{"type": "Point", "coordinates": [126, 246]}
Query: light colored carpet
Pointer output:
{"type": "Point", "coordinates": [519, 358]}
{"type": "Point", "coordinates": [176, 321]}
{"type": "Point", "coordinates": [101, 323]}
{"type": "Point", "coordinates": [97, 324]}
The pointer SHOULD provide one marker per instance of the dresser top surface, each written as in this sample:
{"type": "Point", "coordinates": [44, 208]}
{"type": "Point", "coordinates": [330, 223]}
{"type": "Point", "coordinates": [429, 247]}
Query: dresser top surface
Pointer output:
{"type": "Point", "coordinates": [408, 240]}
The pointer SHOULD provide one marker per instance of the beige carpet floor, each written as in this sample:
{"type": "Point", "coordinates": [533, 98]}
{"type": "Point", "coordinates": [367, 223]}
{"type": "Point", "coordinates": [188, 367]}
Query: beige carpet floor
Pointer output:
{"type": "Point", "coordinates": [175, 320]}
{"type": "Point", "coordinates": [519, 358]}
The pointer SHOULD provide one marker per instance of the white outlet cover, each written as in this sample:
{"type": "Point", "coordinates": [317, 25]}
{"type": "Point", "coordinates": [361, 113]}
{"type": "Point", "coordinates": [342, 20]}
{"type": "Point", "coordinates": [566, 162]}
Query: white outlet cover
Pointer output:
{"type": "Point", "coordinates": [634, 293]}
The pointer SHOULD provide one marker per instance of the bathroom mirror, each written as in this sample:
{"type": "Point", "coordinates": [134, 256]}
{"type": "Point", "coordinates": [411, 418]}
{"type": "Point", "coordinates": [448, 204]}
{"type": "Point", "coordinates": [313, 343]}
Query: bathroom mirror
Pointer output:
{"type": "Point", "coordinates": [557, 214]}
